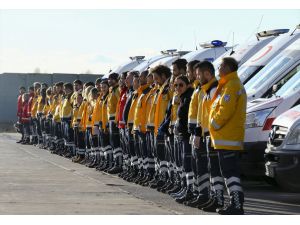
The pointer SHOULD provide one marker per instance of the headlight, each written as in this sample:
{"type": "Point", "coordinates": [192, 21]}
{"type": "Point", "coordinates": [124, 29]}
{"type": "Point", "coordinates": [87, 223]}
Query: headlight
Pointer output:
{"type": "Point", "coordinates": [257, 118]}
{"type": "Point", "coordinates": [294, 137]}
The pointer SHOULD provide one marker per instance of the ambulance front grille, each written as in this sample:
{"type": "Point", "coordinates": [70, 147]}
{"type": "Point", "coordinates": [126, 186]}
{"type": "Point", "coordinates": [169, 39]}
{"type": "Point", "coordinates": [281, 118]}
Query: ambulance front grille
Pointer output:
{"type": "Point", "coordinates": [277, 135]}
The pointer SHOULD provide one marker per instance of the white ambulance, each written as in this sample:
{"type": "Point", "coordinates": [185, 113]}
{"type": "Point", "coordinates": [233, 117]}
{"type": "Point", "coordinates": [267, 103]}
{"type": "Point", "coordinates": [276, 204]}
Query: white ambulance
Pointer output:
{"type": "Point", "coordinates": [165, 57]}
{"type": "Point", "coordinates": [208, 52]}
{"type": "Point", "coordinates": [277, 71]}
{"type": "Point", "coordinates": [127, 66]}
{"type": "Point", "coordinates": [262, 112]}
{"type": "Point", "coordinates": [244, 52]}
{"type": "Point", "coordinates": [250, 68]}
{"type": "Point", "coordinates": [283, 150]}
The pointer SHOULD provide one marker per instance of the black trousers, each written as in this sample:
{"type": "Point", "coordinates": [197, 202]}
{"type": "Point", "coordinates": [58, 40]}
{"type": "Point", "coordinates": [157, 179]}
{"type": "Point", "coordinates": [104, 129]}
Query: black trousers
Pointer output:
{"type": "Point", "coordinates": [224, 164]}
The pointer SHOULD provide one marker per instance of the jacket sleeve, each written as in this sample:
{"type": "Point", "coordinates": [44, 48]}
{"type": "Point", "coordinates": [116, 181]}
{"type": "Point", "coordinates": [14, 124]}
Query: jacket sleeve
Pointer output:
{"type": "Point", "coordinates": [227, 106]}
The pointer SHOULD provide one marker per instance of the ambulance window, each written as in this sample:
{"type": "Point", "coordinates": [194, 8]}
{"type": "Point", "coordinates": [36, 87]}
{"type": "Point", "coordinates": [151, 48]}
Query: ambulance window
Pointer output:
{"type": "Point", "coordinates": [247, 72]}
{"type": "Point", "coordinates": [270, 71]}
{"type": "Point", "coordinates": [290, 83]}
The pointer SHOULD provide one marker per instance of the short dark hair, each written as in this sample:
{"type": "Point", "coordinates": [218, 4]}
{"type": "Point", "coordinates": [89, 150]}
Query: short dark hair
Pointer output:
{"type": "Point", "coordinates": [134, 73]}
{"type": "Point", "coordinates": [22, 88]}
{"type": "Point", "coordinates": [94, 91]}
{"type": "Point", "coordinates": [180, 63]}
{"type": "Point", "coordinates": [162, 69]}
{"type": "Point", "coordinates": [145, 73]}
{"type": "Point", "coordinates": [90, 83]}
{"type": "Point", "coordinates": [31, 88]}
{"type": "Point", "coordinates": [77, 82]}
{"type": "Point", "coordinates": [125, 74]}
{"type": "Point", "coordinates": [184, 79]}
{"type": "Point", "coordinates": [192, 63]}
{"type": "Point", "coordinates": [113, 76]}
{"type": "Point", "coordinates": [104, 81]}
{"type": "Point", "coordinates": [231, 63]}
{"type": "Point", "coordinates": [45, 84]}
{"type": "Point", "coordinates": [68, 86]}
{"type": "Point", "coordinates": [98, 81]}
{"type": "Point", "coordinates": [59, 84]}
{"type": "Point", "coordinates": [205, 66]}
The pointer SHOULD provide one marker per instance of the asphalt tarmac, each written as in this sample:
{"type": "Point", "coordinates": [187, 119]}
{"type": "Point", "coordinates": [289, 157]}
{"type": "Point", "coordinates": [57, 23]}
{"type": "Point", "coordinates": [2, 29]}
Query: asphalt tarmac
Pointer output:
{"type": "Point", "coordinates": [35, 182]}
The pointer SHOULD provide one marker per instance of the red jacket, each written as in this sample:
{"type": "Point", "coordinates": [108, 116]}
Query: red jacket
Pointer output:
{"type": "Point", "coordinates": [25, 113]}
{"type": "Point", "coordinates": [123, 98]}
{"type": "Point", "coordinates": [19, 106]}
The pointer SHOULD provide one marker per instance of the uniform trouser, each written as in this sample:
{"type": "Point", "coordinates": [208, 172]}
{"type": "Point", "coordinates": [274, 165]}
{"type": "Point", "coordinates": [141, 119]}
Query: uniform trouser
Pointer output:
{"type": "Point", "coordinates": [178, 153]}
{"type": "Point", "coordinates": [143, 151]}
{"type": "Point", "coordinates": [186, 159]}
{"type": "Point", "coordinates": [46, 132]}
{"type": "Point", "coordinates": [106, 149]}
{"type": "Point", "coordinates": [68, 132]}
{"type": "Point", "coordinates": [225, 170]}
{"type": "Point", "coordinates": [130, 147]}
{"type": "Point", "coordinates": [114, 137]}
{"type": "Point", "coordinates": [170, 154]}
{"type": "Point", "coordinates": [123, 143]}
{"type": "Point", "coordinates": [26, 130]}
{"type": "Point", "coordinates": [150, 153]}
{"type": "Point", "coordinates": [87, 140]}
{"type": "Point", "coordinates": [138, 150]}
{"type": "Point", "coordinates": [21, 127]}
{"type": "Point", "coordinates": [33, 127]}
{"type": "Point", "coordinates": [200, 168]}
{"type": "Point", "coordinates": [79, 141]}
{"type": "Point", "coordinates": [38, 128]}
{"type": "Point", "coordinates": [161, 155]}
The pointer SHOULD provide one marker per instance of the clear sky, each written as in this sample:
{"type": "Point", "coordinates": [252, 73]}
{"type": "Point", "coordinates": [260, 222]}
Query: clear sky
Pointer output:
{"type": "Point", "coordinates": [76, 41]}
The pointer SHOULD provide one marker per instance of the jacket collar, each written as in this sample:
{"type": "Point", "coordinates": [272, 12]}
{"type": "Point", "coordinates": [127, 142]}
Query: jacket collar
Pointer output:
{"type": "Point", "coordinates": [206, 86]}
{"type": "Point", "coordinates": [228, 77]}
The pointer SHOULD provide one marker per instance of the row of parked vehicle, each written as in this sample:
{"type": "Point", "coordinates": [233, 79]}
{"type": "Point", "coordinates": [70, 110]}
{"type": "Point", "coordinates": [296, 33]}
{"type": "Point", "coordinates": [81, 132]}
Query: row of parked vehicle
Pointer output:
{"type": "Point", "coordinates": [269, 67]}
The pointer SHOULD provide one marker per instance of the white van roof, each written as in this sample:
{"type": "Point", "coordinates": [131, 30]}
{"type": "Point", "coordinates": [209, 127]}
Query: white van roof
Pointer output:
{"type": "Point", "coordinates": [208, 54]}
{"type": "Point", "coordinates": [274, 68]}
{"type": "Point", "coordinates": [262, 57]}
{"type": "Point", "coordinates": [147, 63]}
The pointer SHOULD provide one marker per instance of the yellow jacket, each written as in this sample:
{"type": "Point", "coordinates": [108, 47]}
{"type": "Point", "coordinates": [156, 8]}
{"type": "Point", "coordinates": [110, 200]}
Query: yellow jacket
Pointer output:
{"type": "Point", "coordinates": [58, 108]}
{"type": "Point", "coordinates": [67, 108]}
{"type": "Point", "coordinates": [139, 121]}
{"type": "Point", "coordinates": [112, 102]}
{"type": "Point", "coordinates": [174, 109]}
{"type": "Point", "coordinates": [150, 107]}
{"type": "Point", "coordinates": [96, 112]}
{"type": "Point", "coordinates": [228, 114]}
{"type": "Point", "coordinates": [163, 98]}
{"type": "Point", "coordinates": [193, 109]}
{"type": "Point", "coordinates": [77, 116]}
{"type": "Point", "coordinates": [40, 105]}
{"type": "Point", "coordinates": [132, 108]}
{"type": "Point", "coordinates": [88, 113]}
{"type": "Point", "coordinates": [207, 93]}
{"type": "Point", "coordinates": [46, 108]}
{"type": "Point", "coordinates": [104, 119]}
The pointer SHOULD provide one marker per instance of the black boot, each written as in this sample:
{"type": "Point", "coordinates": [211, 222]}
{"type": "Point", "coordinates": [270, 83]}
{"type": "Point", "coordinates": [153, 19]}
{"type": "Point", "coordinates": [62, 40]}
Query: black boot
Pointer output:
{"type": "Point", "coordinates": [200, 200]}
{"type": "Point", "coordinates": [186, 196]}
{"type": "Point", "coordinates": [177, 185]}
{"type": "Point", "coordinates": [236, 204]}
{"type": "Point", "coordinates": [182, 190]}
{"type": "Point", "coordinates": [216, 202]}
{"type": "Point", "coordinates": [116, 169]}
